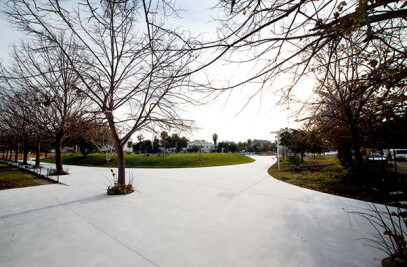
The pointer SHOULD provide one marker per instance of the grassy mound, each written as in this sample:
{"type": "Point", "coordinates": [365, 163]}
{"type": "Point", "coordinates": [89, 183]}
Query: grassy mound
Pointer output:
{"type": "Point", "coordinates": [156, 161]}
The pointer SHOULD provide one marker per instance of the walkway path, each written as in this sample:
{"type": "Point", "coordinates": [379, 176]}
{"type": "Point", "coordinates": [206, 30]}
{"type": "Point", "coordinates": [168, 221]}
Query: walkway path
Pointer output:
{"type": "Point", "coordinates": [217, 216]}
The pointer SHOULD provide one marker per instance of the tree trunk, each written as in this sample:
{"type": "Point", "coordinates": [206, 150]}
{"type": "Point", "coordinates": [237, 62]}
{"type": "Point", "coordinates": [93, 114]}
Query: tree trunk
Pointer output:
{"type": "Point", "coordinates": [16, 155]}
{"type": "Point", "coordinates": [347, 154]}
{"type": "Point", "coordinates": [121, 176]}
{"type": "Point", "coordinates": [37, 155]}
{"type": "Point", "coordinates": [46, 154]}
{"type": "Point", "coordinates": [3, 154]}
{"type": "Point", "coordinates": [58, 154]}
{"type": "Point", "coordinates": [25, 157]}
{"type": "Point", "coordinates": [7, 153]}
{"type": "Point", "coordinates": [357, 146]}
{"type": "Point", "coordinates": [121, 179]}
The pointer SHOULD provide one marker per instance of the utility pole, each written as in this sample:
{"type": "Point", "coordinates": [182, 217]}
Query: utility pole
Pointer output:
{"type": "Point", "coordinates": [278, 148]}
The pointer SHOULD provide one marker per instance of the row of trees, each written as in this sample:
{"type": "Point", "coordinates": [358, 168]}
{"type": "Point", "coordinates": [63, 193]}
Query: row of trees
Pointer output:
{"type": "Point", "coordinates": [303, 141]}
{"type": "Point", "coordinates": [112, 62]}
{"type": "Point", "coordinates": [173, 142]}
{"type": "Point", "coordinates": [133, 70]}
{"type": "Point", "coordinates": [355, 50]}
{"type": "Point", "coordinates": [244, 146]}
{"type": "Point", "coordinates": [40, 103]}
{"type": "Point", "coordinates": [371, 135]}
{"type": "Point", "coordinates": [361, 101]}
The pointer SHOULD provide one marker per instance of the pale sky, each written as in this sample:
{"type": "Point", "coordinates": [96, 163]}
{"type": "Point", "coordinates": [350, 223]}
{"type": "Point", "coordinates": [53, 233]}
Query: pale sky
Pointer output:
{"type": "Point", "coordinates": [223, 116]}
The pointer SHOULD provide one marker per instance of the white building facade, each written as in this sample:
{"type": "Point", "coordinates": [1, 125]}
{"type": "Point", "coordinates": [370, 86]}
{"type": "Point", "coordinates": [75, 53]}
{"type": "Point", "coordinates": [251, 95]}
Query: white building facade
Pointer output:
{"type": "Point", "coordinates": [128, 147]}
{"type": "Point", "coordinates": [205, 146]}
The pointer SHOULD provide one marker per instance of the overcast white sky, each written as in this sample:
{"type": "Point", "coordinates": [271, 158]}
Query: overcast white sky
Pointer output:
{"type": "Point", "coordinates": [222, 116]}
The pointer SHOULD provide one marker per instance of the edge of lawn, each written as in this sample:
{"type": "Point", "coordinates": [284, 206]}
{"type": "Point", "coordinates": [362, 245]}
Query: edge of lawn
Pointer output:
{"type": "Point", "coordinates": [329, 178]}
{"type": "Point", "coordinates": [114, 163]}
{"type": "Point", "coordinates": [12, 177]}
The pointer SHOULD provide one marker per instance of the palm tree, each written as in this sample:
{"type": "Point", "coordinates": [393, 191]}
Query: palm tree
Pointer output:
{"type": "Point", "coordinates": [140, 138]}
{"type": "Point", "coordinates": [164, 136]}
{"type": "Point", "coordinates": [249, 144]}
{"type": "Point", "coordinates": [215, 139]}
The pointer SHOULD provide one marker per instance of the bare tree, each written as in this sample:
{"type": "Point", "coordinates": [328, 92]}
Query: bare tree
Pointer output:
{"type": "Point", "coordinates": [133, 68]}
{"type": "Point", "coordinates": [102, 139]}
{"type": "Point", "coordinates": [284, 37]}
{"type": "Point", "coordinates": [16, 117]}
{"type": "Point", "coordinates": [352, 94]}
{"type": "Point", "coordinates": [42, 73]}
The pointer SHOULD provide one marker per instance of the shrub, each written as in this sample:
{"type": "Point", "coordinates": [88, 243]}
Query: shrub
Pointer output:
{"type": "Point", "coordinates": [120, 189]}
{"type": "Point", "coordinates": [296, 160]}
{"type": "Point", "coordinates": [391, 235]}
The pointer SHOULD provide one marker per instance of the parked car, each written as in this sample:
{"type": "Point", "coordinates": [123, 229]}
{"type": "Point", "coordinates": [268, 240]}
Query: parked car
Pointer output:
{"type": "Point", "coordinates": [400, 154]}
{"type": "Point", "coordinates": [376, 157]}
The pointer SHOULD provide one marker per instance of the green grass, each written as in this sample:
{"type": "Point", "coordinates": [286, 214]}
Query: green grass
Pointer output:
{"type": "Point", "coordinates": [156, 161]}
{"type": "Point", "coordinates": [318, 174]}
{"type": "Point", "coordinates": [325, 175]}
{"type": "Point", "coordinates": [12, 177]}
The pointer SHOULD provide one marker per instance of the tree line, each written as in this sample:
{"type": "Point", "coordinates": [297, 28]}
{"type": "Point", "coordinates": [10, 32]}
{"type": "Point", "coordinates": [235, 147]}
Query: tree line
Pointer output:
{"type": "Point", "coordinates": [111, 63]}
{"type": "Point", "coordinates": [173, 142]}
{"type": "Point", "coordinates": [130, 71]}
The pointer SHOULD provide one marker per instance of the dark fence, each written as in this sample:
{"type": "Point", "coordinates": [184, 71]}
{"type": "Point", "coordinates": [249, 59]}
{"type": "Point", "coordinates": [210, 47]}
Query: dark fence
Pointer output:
{"type": "Point", "coordinates": [40, 171]}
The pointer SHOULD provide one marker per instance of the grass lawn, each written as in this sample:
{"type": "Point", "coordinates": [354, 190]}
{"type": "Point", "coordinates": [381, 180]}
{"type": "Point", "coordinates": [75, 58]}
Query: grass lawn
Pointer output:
{"type": "Point", "coordinates": [12, 177]}
{"type": "Point", "coordinates": [328, 176]}
{"type": "Point", "coordinates": [156, 161]}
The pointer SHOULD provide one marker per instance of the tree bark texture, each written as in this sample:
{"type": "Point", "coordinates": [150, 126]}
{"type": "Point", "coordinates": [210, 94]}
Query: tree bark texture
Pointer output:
{"type": "Point", "coordinates": [357, 146]}
{"type": "Point", "coordinates": [58, 154]}
{"type": "Point", "coordinates": [121, 178]}
{"type": "Point", "coordinates": [16, 155]}
{"type": "Point", "coordinates": [37, 155]}
{"type": "Point", "coordinates": [26, 150]}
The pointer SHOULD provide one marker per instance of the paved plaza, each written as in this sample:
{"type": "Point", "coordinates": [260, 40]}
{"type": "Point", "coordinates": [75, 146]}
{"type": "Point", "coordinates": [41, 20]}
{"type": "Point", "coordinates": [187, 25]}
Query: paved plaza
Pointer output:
{"type": "Point", "coordinates": [215, 216]}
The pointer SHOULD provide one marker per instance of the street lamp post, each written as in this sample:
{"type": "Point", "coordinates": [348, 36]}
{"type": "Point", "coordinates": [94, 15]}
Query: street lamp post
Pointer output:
{"type": "Point", "coordinates": [278, 148]}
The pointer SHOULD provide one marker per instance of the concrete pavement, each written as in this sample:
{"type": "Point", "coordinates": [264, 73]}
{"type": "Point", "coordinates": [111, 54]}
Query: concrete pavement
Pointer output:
{"type": "Point", "coordinates": [216, 216]}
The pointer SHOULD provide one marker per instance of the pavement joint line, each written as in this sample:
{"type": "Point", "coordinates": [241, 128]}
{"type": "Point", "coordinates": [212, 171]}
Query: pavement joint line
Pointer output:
{"type": "Point", "coordinates": [254, 184]}
{"type": "Point", "coordinates": [350, 220]}
{"type": "Point", "coordinates": [107, 233]}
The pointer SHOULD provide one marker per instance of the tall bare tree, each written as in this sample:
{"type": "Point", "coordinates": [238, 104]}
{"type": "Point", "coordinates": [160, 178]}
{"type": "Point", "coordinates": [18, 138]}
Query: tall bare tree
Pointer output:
{"type": "Point", "coordinates": [354, 93]}
{"type": "Point", "coordinates": [41, 72]}
{"type": "Point", "coordinates": [284, 37]}
{"type": "Point", "coordinates": [133, 67]}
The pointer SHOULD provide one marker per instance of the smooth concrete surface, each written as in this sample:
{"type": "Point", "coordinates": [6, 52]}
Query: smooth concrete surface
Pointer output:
{"type": "Point", "coordinates": [215, 216]}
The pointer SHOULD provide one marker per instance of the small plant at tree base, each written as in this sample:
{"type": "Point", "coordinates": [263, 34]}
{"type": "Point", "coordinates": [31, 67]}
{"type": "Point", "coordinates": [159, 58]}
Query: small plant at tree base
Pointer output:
{"type": "Point", "coordinates": [391, 238]}
{"type": "Point", "coordinates": [118, 189]}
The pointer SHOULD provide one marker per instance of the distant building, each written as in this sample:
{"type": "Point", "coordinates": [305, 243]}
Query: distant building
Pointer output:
{"type": "Point", "coordinates": [205, 146]}
{"type": "Point", "coordinates": [128, 147]}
